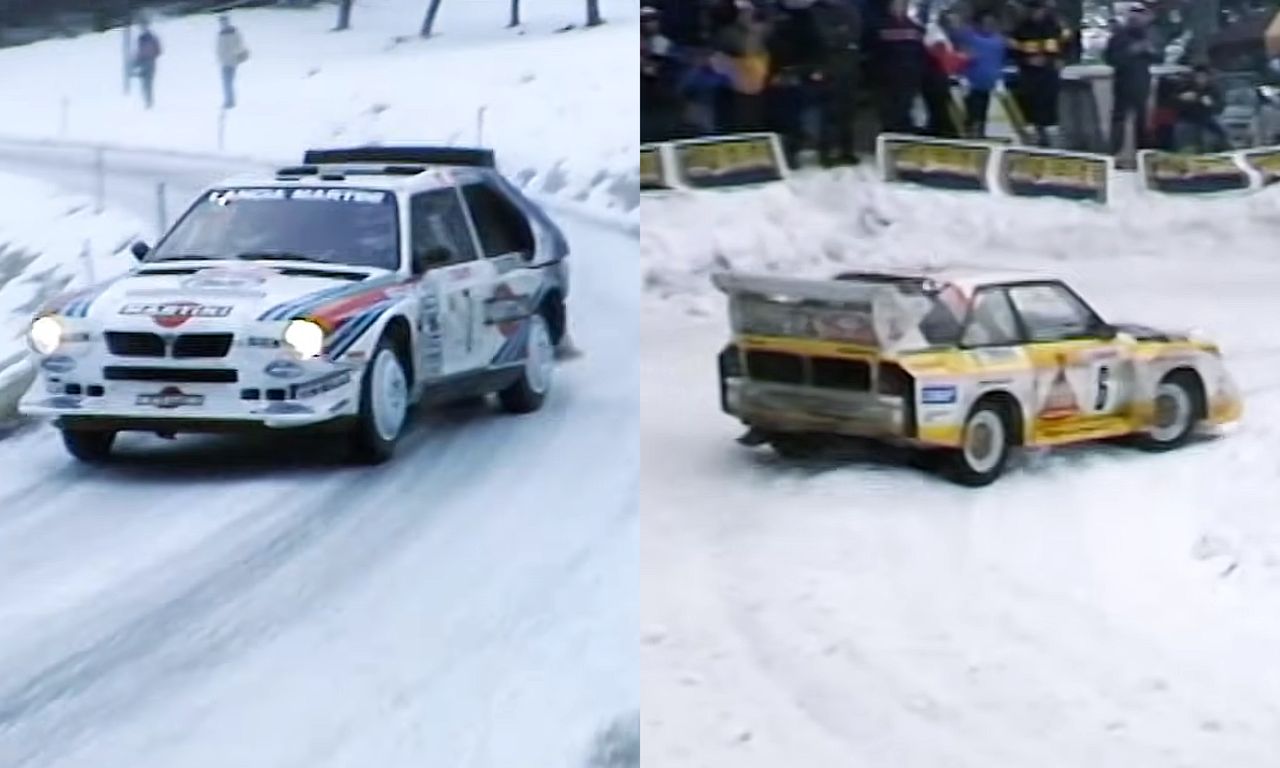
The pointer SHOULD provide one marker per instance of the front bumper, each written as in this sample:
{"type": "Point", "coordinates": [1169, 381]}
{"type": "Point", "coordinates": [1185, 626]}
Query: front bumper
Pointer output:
{"type": "Point", "coordinates": [789, 408]}
{"type": "Point", "coordinates": [322, 392]}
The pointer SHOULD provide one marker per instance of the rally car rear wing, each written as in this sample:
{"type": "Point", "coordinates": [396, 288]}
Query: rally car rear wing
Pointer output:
{"type": "Point", "coordinates": [886, 315]}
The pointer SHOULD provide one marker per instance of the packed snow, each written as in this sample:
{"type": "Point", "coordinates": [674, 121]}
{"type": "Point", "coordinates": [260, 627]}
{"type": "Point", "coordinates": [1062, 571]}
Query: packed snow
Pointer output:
{"type": "Point", "coordinates": [1098, 606]}
{"type": "Point", "coordinates": [559, 106]}
{"type": "Point", "coordinates": [50, 242]}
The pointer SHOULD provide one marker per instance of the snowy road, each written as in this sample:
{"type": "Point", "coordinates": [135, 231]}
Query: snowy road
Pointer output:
{"type": "Point", "coordinates": [1097, 607]}
{"type": "Point", "coordinates": [215, 602]}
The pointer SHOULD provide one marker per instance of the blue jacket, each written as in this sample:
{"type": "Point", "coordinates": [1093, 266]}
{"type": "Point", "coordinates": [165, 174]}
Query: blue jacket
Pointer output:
{"type": "Point", "coordinates": [986, 58]}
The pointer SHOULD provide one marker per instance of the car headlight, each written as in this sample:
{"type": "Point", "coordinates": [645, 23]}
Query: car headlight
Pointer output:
{"type": "Point", "coordinates": [305, 338]}
{"type": "Point", "coordinates": [45, 335]}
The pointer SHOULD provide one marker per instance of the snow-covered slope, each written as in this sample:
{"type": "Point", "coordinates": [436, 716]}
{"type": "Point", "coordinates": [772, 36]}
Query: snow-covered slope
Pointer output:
{"type": "Point", "coordinates": [1096, 607]}
{"type": "Point", "coordinates": [49, 242]}
{"type": "Point", "coordinates": [560, 107]}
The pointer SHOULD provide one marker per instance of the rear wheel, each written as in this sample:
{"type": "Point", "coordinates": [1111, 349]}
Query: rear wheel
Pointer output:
{"type": "Point", "coordinates": [91, 447]}
{"type": "Point", "coordinates": [528, 392]}
{"type": "Point", "coordinates": [384, 406]}
{"type": "Point", "coordinates": [1175, 417]}
{"type": "Point", "coordinates": [985, 447]}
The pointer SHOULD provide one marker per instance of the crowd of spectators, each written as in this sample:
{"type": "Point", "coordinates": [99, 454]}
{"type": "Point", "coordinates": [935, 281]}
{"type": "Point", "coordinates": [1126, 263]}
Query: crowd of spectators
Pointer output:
{"type": "Point", "coordinates": [805, 68]}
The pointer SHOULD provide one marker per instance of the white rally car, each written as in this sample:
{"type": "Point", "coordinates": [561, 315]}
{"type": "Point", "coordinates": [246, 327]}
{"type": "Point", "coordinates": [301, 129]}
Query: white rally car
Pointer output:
{"type": "Point", "coordinates": [332, 295]}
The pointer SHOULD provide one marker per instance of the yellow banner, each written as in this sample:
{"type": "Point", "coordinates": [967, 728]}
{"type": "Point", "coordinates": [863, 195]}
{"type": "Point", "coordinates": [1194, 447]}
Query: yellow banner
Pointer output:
{"type": "Point", "coordinates": [1028, 173]}
{"type": "Point", "coordinates": [727, 162]}
{"type": "Point", "coordinates": [937, 164]}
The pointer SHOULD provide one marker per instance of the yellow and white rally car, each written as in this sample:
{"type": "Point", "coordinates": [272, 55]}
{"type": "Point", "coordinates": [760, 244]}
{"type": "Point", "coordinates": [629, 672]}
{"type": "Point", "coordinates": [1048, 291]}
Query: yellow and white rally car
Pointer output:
{"type": "Point", "coordinates": [973, 365]}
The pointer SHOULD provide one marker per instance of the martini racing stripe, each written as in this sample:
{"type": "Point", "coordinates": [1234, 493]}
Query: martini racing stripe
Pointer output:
{"type": "Point", "coordinates": [80, 306]}
{"type": "Point", "coordinates": [306, 304]}
{"type": "Point", "coordinates": [353, 329]}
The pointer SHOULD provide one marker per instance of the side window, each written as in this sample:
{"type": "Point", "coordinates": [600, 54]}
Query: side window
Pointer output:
{"type": "Point", "coordinates": [502, 226]}
{"type": "Point", "coordinates": [437, 220]}
{"type": "Point", "coordinates": [991, 321]}
{"type": "Point", "coordinates": [1051, 312]}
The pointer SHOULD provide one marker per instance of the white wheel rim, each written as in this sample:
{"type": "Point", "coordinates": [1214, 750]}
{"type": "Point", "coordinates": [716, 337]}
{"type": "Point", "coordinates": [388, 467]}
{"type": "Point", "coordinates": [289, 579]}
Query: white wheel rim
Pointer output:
{"type": "Point", "coordinates": [984, 441]}
{"type": "Point", "coordinates": [390, 396]}
{"type": "Point", "coordinates": [1173, 413]}
{"type": "Point", "coordinates": [540, 356]}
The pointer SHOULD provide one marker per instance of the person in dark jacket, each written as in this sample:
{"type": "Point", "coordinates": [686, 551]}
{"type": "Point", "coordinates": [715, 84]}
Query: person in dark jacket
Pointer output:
{"type": "Point", "coordinates": [659, 107]}
{"type": "Point", "coordinates": [899, 58]}
{"type": "Point", "coordinates": [985, 48]}
{"type": "Point", "coordinates": [1038, 44]}
{"type": "Point", "coordinates": [1130, 52]}
{"type": "Point", "coordinates": [145, 55]}
{"type": "Point", "coordinates": [1198, 102]}
{"type": "Point", "coordinates": [838, 78]}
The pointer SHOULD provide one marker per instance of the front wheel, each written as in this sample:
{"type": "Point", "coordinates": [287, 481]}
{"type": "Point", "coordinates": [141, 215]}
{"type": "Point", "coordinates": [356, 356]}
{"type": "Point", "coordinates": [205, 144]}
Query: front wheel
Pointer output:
{"type": "Point", "coordinates": [91, 447]}
{"type": "Point", "coordinates": [384, 406]}
{"type": "Point", "coordinates": [528, 392]}
{"type": "Point", "coordinates": [1175, 417]}
{"type": "Point", "coordinates": [984, 448]}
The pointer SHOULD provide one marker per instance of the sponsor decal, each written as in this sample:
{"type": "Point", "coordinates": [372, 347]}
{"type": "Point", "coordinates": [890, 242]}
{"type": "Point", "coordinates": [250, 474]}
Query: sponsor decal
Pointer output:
{"type": "Point", "coordinates": [1060, 400]}
{"type": "Point", "coordinates": [170, 398]}
{"type": "Point", "coordinates": [940, 164]}
{"type": "Point", "coordinates": [938, 395]}
{"type": "Point", "coordinates": [727, 162]}
{"type": "Point", "coordinates": [58, 364]}
{"type": "Point", "coordinates": [1032, 173]}
{"type": "Point", "coordinates": [263, 342]}
{"type": "Point", "coordinates": [223, 278]}
{"type": "Point", "coordinates": [1266, 162]}
{"type": "Point", "coordinates": [1192, 174]}
{"type": "Point", "coordinates": [174, 314]}
{"type": "Point", "coordinates": [506, 309]}
{"type": "Point", "coordinates": [321, 385]}
{"type": "Point", "coordinates": [330, 194]}
{"type": "Point", "coordinates": [653, 170]}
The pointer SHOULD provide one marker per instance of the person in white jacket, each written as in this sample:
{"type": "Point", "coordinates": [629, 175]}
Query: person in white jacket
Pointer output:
{"type": "Point", "coordinates": [231, 54]}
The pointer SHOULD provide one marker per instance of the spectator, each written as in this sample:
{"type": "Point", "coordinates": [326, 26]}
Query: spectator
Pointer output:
{"type": "Point", "coordinates": [701, 86]}
{"type": "Point", "coordinates": [1130, 52]}
{"type": "Point", "coordinates": [1038, 42]}
{"type": "Point", "coordinates": [1199, 102]}
{"type": "Point", "coordinates": [899, 60]}
{"type": "Point", "coordinates": [145, 57]}
{"type": "Point", "coordinates": [744, 59]}
{"type": "Point", "coordinates": [657, 80]}
{"type": "Point", "coordinates": [839, 28]}
{"type": "Point", "coordinates": [231, 54]}
{"type": "Point", "coordinates": [793, 60]}
{"type": "Point", "coordinates": [985, 48]}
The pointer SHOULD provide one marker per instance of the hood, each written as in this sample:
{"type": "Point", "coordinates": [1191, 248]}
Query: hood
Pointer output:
{"type": "Point", "coordinates": [171, 294]}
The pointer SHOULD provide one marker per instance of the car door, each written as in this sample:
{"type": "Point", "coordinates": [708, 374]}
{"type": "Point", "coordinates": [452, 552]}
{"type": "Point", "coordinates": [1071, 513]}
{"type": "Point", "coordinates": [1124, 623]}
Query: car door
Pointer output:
{"type": "Point", "coordinates": [992, 339]}
{"type": "Point", "coordinates": [507, 246]}
{"type": "Point", "coordinates": [445, 252]}
{"type": "Point", "coordinates": [1084, 377]}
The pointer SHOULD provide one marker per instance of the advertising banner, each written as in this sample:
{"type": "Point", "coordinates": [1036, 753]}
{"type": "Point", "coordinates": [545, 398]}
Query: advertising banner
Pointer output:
{"type": "Point", "coordinates": [1192, 174]}
{"type": "Point", "coordinates": [654, 174]}
{"type": "Point", "coordinates": [938, 163]}
{"type": "Point", "coordinates": [1024, 172]}
{"type": "Point", "coordinates": [728, 161]}
{"type": "Point", "coordinates": [1264, 162]}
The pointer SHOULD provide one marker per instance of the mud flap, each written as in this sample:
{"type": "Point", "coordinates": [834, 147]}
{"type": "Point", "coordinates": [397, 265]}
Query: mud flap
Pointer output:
{"type": "Point", "coordinates": [753, 437]}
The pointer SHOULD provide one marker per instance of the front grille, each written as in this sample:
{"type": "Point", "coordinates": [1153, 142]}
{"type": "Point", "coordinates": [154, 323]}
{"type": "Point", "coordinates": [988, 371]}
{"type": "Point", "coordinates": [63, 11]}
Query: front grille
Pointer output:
{"type": "Point", "coordinates": [191, 345]}
{"type": "Point", "coordinates": [173, 375]}
{"type": "Point", "coordinates": [135, 344]}
{"type": "Point", "coordinates": [777, 367]}
{"type": "Point", "coordinates": [837, 373]}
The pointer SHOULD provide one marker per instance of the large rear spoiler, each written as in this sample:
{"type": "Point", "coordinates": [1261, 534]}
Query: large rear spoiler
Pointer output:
{"type": "Point", "coordinates": [872, 313]}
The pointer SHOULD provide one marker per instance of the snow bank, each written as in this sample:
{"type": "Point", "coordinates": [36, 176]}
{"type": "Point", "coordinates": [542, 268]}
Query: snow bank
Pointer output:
{"type": "Point", "coordinates": [827, 221]}
{"type": "Point", "coordinates": [49, 243]}
{"type": "Point", "coordinates": [559, 106]}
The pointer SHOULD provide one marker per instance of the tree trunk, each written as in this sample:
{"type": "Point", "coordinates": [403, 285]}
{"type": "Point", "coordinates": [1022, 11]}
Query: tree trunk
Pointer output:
{"type": "Point", "coordinates": [593, 13]}
{"type": "Point", "coordinates": [344, 14]}
{"type": "Point", "coordinates": [429, 23]}
{"type": "Point", "coordinates": [515, 14]}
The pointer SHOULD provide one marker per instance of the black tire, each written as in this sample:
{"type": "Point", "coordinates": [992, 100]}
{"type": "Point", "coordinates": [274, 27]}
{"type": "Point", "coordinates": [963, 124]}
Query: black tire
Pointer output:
{"type": "Point", "coordinates": [366, 443]}
{"type": "Point", "coordinates": [986, 443]}
{"type": "Point", "coordinates": [529, 392]}
{"type": "Point", "coordinates": [797, 447]}
{"type": "Point", "coordinates": [91, 447]}
{"type": "Point", "coordinates": [1177, 391]}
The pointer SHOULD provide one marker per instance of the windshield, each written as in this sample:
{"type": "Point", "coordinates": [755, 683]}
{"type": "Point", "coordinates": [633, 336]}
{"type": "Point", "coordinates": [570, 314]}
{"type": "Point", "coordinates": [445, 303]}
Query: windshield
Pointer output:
{"type": "Point", "coordinates": [330, 225]}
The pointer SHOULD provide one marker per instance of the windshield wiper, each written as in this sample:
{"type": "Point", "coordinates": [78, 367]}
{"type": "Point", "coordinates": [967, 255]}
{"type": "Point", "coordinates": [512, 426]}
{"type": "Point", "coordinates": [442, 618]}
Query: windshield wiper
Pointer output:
{"type": "Point", "coordinates": [278, 256]}
{"type": "Point", "coordinates": [184, 257]}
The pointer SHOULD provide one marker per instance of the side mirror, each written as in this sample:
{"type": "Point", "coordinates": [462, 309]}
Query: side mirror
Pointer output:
{"type": "Point", "coordinates": [139, 249]}
{"type": "Point", "coordinates": [436, 256]}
